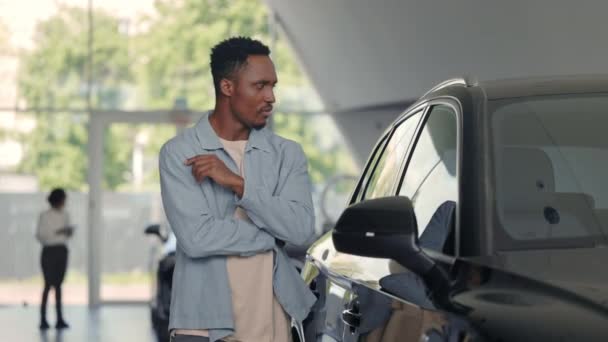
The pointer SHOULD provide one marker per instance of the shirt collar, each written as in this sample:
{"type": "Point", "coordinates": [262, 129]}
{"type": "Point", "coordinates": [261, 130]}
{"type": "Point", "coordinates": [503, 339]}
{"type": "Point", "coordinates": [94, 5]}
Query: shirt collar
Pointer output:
{"type": "Point", "coordinates": [210, 141]}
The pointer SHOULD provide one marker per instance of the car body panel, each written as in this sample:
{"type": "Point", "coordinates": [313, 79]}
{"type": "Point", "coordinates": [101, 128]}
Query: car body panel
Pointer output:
{"type": "Point", "coordinates": [387, 312]}
{"type": "Point", "coordinates": [507, 295]}
{"type": "Point", "coordinates": [515, 307]}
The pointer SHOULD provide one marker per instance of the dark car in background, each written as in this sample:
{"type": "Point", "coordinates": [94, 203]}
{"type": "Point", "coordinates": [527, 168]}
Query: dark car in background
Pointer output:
{"type": "Point", "coordinates": [481, 215]}
{"type": "Point", "coordinates": [160, 302]}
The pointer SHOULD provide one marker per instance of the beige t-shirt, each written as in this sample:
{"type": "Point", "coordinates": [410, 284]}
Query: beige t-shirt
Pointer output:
{"type": "Point", "coordinates": [258, 316]}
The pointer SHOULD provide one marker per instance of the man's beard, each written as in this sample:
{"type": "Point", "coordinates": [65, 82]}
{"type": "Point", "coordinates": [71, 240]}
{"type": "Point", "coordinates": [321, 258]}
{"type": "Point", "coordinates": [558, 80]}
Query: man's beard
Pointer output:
{"type": "Point", "coordinates": [250, 125]}
{"type": "Point", "coordinates": [258, 127]}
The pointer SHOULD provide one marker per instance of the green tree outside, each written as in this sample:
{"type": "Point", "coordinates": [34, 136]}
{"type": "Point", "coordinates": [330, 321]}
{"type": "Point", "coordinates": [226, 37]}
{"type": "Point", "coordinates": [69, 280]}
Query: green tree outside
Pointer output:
{"type": "Point", "coordinates": [53, 77]}
{"type": "Point", "coordinates": [148, 68]}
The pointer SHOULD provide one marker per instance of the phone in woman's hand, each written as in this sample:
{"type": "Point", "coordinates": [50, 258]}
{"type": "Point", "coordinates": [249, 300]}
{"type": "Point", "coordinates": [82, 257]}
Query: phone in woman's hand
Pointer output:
{"type": "Point", "coordinates": [67, 230]}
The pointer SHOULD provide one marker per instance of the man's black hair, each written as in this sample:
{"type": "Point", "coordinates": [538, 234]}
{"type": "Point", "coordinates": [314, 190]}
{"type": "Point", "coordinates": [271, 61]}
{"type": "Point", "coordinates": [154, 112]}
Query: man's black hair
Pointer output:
{"type": "Point", "coordinates": [231, 54]}
{"type": "Point", "coordinates": [57, 197]}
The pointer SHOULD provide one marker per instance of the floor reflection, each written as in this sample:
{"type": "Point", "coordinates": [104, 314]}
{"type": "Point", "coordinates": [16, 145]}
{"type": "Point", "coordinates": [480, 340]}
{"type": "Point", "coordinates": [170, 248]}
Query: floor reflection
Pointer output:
{"type": "Point", "coordinates": [112, 323]}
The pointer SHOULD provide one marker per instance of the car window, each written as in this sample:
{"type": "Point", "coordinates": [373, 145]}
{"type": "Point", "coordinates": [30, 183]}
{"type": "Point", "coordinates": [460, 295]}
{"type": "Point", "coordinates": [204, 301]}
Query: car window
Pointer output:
{"type": "Point", "coordinates": [370, 168]}
{"type": "Point", "coordinates": [386, 170]}
{"type": "Point", "coordinates": [430, 180]}
{"type": "Point", "coordinates": [551, 160]}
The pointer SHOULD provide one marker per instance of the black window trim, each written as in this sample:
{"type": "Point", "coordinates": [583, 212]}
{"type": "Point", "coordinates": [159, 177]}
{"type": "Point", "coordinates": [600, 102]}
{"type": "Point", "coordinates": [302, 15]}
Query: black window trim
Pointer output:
{"type": "Point", "coordinates": [457, 107]}
{"type": "Point", "coordinates": [363, 180]}
{"type": "Point", "coordinates": [380, 147]}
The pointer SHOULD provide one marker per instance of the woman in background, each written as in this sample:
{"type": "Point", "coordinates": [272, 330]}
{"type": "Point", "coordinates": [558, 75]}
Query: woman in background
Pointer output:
{"type": "Point", "coordinates": [53, 232]}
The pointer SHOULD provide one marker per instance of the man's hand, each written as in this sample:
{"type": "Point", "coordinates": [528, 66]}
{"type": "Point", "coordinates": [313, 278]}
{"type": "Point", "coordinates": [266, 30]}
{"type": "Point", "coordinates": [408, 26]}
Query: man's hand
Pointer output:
{"type": "Point", "coordinates": [209, 165]}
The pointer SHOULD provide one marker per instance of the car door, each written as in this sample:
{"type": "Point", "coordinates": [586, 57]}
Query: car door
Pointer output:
{"type": "Point", "coordinates": [430, 179]}
{"type": "Point", "coordinates": [383, 301]}
{"type": "Point", "coordinates": [335, 314]}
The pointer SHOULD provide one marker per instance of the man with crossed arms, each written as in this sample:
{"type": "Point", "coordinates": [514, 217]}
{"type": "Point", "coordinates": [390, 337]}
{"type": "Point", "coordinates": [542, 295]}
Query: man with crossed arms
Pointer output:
{"type": "Point", "coordinates": [234, 193]}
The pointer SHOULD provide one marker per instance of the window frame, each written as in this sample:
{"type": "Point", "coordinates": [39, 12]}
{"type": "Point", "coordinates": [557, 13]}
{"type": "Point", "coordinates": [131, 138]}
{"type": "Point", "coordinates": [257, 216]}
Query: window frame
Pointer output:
{"type": "Point", "coordinates": [455, 105]}
{"type": "Point", "coordinates": [369, 169]}
{"type": "Point", "coordinates": [380, 147]}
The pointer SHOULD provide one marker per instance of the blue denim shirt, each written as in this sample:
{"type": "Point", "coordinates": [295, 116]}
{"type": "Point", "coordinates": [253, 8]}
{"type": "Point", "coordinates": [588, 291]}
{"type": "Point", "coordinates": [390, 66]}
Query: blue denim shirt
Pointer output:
{"type": "Point", "coordinates": [277, 198]}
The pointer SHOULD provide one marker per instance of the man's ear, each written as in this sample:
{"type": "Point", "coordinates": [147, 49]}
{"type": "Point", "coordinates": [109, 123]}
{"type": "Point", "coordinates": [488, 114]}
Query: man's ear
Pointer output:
{"type": "Point", "coordinates": [227, 87]}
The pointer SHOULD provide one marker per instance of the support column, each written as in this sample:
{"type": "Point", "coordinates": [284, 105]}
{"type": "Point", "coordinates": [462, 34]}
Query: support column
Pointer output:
{"type": "Point", "coordinates": [95, 176]}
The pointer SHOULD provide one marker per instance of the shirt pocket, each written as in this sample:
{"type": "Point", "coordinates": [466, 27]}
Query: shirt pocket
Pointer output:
{"type": "Point", "coordinates": [265, 170]}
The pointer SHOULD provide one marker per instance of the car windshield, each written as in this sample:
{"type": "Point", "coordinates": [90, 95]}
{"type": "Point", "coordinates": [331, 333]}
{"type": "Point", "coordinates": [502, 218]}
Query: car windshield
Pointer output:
{"type": "Point", "coordinates": [550, 158]}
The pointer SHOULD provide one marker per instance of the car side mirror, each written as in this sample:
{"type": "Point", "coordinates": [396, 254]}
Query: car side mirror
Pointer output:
{"type": "Point", "coordinates": [154, 229]}
{"type": "Point", "coordinates": [382, 228]}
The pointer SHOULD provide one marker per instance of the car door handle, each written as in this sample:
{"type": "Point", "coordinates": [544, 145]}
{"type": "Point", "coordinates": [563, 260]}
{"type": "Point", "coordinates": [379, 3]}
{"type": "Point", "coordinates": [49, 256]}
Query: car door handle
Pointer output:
{"type": "Point", "coordinates": [351, 318]}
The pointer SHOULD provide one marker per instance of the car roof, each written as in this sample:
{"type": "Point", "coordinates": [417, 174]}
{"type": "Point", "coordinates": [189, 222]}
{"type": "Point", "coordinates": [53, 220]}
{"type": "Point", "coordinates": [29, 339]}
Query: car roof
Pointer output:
{"type": "Point", "coordinates": [524, 87]}
{"type": "Point", "coordinates": [556, 85]}
{"type": "Point", "coordinates": [516, 88]}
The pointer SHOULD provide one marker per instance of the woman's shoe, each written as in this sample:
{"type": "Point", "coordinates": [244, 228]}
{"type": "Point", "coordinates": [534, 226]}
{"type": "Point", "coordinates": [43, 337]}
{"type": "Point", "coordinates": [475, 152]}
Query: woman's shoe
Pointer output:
{"type": "Point", "coordinates": [44, 325]}
{"type": "Point", "coordinates": [62, 325]}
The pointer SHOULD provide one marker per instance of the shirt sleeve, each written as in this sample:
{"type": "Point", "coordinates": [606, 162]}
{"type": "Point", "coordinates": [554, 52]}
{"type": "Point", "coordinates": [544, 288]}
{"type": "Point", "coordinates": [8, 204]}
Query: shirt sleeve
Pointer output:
{"type": "Point", "coordinates": [198, 232]}
{"type": "Point", "coordinates": [288, 214]}
{"type": "Point", "coordinates": [68, 223]}
{"type": "Point", "coordinates": [44, 232]}
{"type": "Point", "coordinates": [39, 229]}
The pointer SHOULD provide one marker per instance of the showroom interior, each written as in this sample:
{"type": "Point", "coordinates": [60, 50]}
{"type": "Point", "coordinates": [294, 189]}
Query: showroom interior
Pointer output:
{"type": "Point", "coordinates": [91, 90]}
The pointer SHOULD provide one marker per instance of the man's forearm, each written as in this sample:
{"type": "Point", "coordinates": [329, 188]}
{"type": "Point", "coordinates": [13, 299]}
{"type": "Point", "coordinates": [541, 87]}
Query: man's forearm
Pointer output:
{"type": "Point", "coordinates": [289, 218]}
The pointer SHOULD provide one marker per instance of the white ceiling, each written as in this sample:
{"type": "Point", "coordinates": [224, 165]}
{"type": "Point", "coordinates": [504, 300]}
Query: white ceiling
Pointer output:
{"type": "Point", "coordinates": [360, 53]}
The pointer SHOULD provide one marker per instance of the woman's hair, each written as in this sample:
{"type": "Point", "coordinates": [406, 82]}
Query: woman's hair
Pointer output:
{"type": "Point", "coordinates": [57, 197]}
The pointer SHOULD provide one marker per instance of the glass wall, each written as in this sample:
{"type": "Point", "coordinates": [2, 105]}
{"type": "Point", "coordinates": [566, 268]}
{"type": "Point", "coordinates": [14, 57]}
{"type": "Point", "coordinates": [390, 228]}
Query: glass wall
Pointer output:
{"type": "Point", "coordinates": [131, 201]}
{"type": "Point", "coordinates": [61, 60]}
{"type": "Point", "coordinates": [40, 150]}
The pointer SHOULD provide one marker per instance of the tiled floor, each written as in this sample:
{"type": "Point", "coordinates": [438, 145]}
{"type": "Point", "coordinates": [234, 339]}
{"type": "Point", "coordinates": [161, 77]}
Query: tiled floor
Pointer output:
{"type": "Point", "coordinates": [110, 323]}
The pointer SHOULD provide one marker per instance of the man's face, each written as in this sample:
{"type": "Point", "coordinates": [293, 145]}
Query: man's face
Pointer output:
{"type": "Point", "coordinates": [253, 93]}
